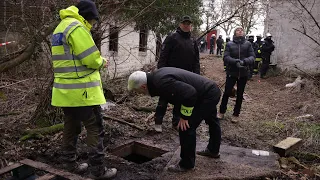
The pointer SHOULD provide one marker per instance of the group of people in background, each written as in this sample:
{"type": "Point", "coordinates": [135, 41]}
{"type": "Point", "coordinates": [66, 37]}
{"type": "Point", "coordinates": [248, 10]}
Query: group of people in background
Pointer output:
{"type": "Point", "coordinates": [262, 50]}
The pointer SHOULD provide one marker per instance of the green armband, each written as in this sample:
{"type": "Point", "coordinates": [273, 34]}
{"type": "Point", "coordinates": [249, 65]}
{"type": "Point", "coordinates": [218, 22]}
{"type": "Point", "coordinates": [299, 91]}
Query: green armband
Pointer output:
{"type": "Point", "coordinates": [186, 111]}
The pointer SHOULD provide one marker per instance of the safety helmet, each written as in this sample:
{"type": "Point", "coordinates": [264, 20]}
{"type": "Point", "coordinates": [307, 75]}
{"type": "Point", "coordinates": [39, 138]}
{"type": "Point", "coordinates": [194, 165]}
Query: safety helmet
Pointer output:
{"type": "Point", "coordinates": [259, 35]}
{"type": "Point", "coordinates": [268, 35]}
{"type": "Point", "coordinates": [227, 37]}
{"type": "Point", "coordinates": [213, 35]}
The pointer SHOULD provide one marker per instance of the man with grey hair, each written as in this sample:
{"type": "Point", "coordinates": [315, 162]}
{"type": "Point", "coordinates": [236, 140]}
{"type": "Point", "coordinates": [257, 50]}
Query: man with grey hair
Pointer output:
{"type": "Point", "coordinates": [195, 96]}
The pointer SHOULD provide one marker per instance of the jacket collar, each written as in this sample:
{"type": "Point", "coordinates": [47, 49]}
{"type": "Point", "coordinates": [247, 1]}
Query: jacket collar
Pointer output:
{"type": "Point", "coordinates": [239, 39]}
{"type": "Point", "coordinates": [183, 34]}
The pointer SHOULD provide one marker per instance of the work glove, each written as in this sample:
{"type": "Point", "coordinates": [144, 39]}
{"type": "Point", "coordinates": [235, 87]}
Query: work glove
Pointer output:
{"type": "Point", "coordinates": [239, 65]}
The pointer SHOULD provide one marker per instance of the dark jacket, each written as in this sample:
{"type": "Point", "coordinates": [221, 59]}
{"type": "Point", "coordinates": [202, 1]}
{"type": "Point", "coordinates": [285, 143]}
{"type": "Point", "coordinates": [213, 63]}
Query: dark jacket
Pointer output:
{"type": "Point", "coordinates": [267, 47]}
{"type": "Point", "coordinates": [236, 51]}
{"type": "Point", "coordinates": [220, 42]}
{"type": "Point", "coordinates": [180, 87]}
{"type": "Point", "coordinates": [212, 41]}
{"type": "Point", "coordinates": [256, 47]}
{"type": "Point", "coordinates": [181, 51]}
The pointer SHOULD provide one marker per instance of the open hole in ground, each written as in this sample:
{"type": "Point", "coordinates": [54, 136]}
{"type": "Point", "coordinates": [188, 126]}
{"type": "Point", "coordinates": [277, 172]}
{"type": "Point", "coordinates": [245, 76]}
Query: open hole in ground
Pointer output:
{"type": "Point", "coordinates": [137, 152]}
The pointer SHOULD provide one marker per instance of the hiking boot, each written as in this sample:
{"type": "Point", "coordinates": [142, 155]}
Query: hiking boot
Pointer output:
{"type": "Point", "coordinates": [220, 116]}
{"type": "Point", "coordinates": [108, 173]}
{"type": "Point", "coordinates": [158, 128]}
{"type": "Point", "coordinates": [76, 167]}
{"type": "Point", "coordinates": [235, 118]}
{"type": "Point", "coordinates": [178, 168]}
{"type": "Point", "coordinates": [207, 153]}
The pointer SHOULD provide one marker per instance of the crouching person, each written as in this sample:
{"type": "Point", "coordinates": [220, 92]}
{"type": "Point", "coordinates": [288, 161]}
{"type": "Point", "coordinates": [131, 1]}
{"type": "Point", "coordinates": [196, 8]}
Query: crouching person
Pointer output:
{"type": "Point", "coordinates": [197, 98]}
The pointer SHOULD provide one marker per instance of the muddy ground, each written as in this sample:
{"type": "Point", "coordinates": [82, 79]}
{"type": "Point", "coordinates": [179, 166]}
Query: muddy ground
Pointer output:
{"type": "Point", "coordinates": [270, 113]}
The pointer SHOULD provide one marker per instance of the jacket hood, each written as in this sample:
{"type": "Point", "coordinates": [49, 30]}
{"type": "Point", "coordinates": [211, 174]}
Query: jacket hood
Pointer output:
{"type": "Point", "coordinates": [73, 12]}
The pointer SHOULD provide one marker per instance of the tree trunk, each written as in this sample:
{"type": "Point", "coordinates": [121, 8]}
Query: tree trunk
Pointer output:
{"type": "Point", "coordinates": [158, 46]}
{"type": "Point", "coordinates": [45, 114]}
{"type": "Point", "coordinates": [35, 41]}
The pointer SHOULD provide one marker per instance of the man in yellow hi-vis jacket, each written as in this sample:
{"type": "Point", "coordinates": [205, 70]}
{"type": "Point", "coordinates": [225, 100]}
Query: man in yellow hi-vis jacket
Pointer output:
{"type": "Point", "coordinates": [77, 85]}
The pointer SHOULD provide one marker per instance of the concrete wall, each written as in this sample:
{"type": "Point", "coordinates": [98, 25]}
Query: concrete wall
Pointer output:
{"type": "Point", "coordinates": [293, 48]}
{"type": "Point", "coordinates": [128, 58]}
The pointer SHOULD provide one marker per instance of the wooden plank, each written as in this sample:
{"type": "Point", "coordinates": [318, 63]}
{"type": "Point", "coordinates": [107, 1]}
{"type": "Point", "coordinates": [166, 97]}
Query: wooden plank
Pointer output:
{"type": "Point", "coordinates": [48, 168]}
{"type": "Point", "coordinates": [287, 145]}
{"type": "Point", "coordinates": [10, 168]}
{"type": "Point", "coordinates": [46, 177]}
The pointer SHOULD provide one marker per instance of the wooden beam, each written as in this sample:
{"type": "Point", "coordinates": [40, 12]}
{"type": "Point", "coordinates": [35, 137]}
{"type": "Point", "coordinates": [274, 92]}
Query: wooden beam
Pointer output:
{"type": "Point", "coordinates": [10, 168]}
{"type": "Point", "coordinates": [48, 168]}
{"type": "Point", "coordinates": [287, 145]}
{"type": "Point", "coordinates": [46, 177]}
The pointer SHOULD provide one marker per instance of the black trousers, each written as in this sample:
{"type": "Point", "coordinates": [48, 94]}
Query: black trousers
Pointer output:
{"type": "Point", "coordinates": [230, 82]}
{"type": "Point", "coordinates": [161, 111]}
{"type": "Point", "coordinates": [92, 119]}
{"type": "Point", "coordinates": [206, 110]}
{"type": "Point", "coordinates": [265, 65]}
{"type": "Point", "coordinates": [219, 52]}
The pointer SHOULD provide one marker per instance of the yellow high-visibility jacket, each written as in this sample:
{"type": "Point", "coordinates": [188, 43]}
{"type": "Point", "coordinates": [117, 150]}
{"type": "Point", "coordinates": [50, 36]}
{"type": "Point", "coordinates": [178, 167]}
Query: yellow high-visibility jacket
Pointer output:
{"type": "Point", "coordinates": [76, 63]}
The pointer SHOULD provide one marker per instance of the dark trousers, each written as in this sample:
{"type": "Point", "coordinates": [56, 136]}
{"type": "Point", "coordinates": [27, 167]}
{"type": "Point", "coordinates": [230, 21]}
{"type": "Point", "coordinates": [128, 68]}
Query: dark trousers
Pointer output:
{"type": "Point", "coordinates": [211, 49]}
{"type": "Point", "coordinates": [161, 111]}
{"type": "Point", "coordinates": [219, 50]}
{"type": "Point", "coordinates": [206, 110]}
{"type": "Point", "coordinates": [92, 119]}
{"type": "Point", "coordinates": [230, 82]}
{"type": "Point", "coordinates": [256, 67]}
{"type": "Point", "coordinates": [265, 66]}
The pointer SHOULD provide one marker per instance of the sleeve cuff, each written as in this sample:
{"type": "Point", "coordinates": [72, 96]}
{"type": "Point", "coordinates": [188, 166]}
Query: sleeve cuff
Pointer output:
{"type": "Point", "coordinates": [186, 112]}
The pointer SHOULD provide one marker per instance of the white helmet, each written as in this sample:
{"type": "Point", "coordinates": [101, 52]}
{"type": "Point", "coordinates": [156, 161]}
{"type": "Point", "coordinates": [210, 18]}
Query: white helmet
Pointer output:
{"type": "Point", "coordinates": [213, 35]}
{"type": "Point", "coordinates": [259, 35]}
{"type": "Point", "coordinates": [268, 35]}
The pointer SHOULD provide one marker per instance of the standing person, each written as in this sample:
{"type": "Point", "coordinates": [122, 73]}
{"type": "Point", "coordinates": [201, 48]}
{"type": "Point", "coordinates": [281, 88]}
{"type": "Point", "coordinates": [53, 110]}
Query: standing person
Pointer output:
{"type": "Point", "coordinates": [181, 51]}
{"type": "Point", "coordinates": [251, 40]}
{"type": "Point", "coordinates": [220, 42]}
{"type": "Point", "coordinates": [266, 51]}
{"type": "Point", "coordinates": [196, 98]}
{"type": "Point", "coordinates": [237, 56]}
{"type": "Point", "coordinates": [224, 48]}
{"type": "Point", "coordinates": [77, 85]}
{"type": "Point", "coordinates": [212, 43]}
{"type": "Point", "coordinates": [257, 51]}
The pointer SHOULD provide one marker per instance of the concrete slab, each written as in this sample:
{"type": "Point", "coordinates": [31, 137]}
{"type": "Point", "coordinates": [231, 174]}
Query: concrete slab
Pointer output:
{"type": "Point", "coordinates": [234, 163]}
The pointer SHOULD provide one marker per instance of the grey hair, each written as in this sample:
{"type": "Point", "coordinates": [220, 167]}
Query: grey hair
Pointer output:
{"type": "Point", "coordinates": [136, 79]}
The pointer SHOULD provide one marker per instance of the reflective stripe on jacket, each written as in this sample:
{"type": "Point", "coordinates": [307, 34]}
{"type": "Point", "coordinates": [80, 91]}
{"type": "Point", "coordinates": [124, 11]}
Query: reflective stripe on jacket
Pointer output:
{"type": "Point", "coordinates": [76, 63]}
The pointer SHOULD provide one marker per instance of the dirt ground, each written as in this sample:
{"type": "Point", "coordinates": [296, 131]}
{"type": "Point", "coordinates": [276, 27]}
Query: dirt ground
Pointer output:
{"type": "Point", "coordinates": [270, 113]}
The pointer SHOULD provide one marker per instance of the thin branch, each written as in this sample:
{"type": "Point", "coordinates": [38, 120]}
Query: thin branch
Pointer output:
{"type": "Point", "coordinates": [307, 36]}
{"type": "Point", "coordinates": [304, 7]}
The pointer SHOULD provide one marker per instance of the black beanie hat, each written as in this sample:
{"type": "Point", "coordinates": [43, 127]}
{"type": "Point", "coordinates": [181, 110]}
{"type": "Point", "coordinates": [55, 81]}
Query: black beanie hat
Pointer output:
{"type": "Point", "coordinates": [88, 10]}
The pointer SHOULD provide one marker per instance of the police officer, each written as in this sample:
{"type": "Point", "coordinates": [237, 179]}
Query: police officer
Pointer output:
{"type": "Point", "coordinates": [195, 96]}
{"type": "Point", "coordinates": [77, 86]}
{"type": "Point", "coordinates": [181, 51]}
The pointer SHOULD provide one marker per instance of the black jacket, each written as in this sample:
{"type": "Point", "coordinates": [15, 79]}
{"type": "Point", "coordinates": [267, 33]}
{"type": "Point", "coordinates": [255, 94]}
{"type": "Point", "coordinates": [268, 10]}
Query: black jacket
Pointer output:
{"type": "Point", "coordinates": [181, 51]}
{"type": "Point", "coordinates": [180, 87]}
{"type": "Point", "coordinates": [267, 47]}
{"type": "Point", "coordinates": [238, 50]}
{"type": "Point", "coordinates": [220, 42]}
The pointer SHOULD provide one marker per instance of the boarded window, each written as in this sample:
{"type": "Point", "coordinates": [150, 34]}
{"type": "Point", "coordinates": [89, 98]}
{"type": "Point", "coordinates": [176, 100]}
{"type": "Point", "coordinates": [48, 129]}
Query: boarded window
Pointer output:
{"type": "Point", "coordinates": [143, 39]}
{"type": "Point", "coordinates": [113, 38]}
